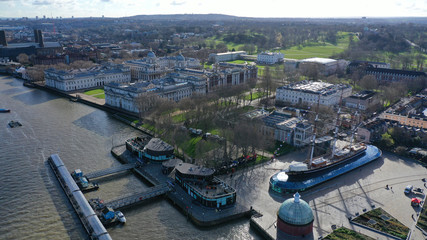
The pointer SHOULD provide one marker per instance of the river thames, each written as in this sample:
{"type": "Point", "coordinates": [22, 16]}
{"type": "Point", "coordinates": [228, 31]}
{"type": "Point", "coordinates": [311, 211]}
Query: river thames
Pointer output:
{"type": "Point", "coordinates": [32, 203]}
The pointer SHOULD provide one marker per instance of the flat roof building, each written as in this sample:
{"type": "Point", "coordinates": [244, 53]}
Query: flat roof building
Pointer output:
{"type": "Point", "coordinates": [324, 66]}
{"type": "Point", "coordinates": [310, 92]}
{"type": "Point", "coordinates": [224, 57]}
{"type": "Point", "coordinates": [362, 100]}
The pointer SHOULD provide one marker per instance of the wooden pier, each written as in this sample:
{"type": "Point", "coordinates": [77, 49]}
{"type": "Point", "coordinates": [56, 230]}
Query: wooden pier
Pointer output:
{"type": "Point", "coordinates": [112, 170]}
{"type": "Point", "coordinates": [139, 197]}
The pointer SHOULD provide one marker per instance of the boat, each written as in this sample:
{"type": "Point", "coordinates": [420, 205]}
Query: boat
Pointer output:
{"type": "Point", "coordinates": [281, 182]}
{"type": "Point", "coordinates": [82, 182]}
{"type": "Point", "coordinates": [121, 217]}
{"type": "Point", "coordinates": [303, 175]}
{"type": "Point", "coordinates": [3, 110]}
{"type": "Point", "coordinates": [324, 163]}
{"type": "Point", "coordinates": [14, 124]}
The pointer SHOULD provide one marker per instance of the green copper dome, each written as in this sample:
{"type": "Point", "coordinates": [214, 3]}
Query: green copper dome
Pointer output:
{"type": "Point", "coordinates": [295, 211]}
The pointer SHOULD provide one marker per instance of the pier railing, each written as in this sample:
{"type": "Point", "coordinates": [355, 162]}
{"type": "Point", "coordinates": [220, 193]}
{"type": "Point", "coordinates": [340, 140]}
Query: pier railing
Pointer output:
{"type": "Point", "coordinates": [109, 171]}
{"type": "Point", "coordinates": [139, 197]}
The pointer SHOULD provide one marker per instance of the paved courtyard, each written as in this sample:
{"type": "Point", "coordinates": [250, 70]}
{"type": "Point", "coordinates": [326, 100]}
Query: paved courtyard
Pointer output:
{"type": "Point", "coordinates": [334, 201]}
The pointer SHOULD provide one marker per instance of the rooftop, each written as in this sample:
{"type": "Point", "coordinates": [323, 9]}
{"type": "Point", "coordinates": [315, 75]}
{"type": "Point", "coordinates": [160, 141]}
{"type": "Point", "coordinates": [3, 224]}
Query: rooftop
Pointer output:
{"type": "Point", "coordinates": [225, 53]}
{"type": "Point", "coordinates": [191, 169]}
{"type": "Point", "coordinates": [32, 44]}
{"type": "Point", "coordinates": [296, 211]}
{"type": "Point", "coordinates": [363, 94]}
{"type": "Point", "coordinates": [396, 71]}
{"type": "Point", "coordinates": [319, 60]}
{"type": "Point", "coordinates": [275, 118]}
{"type": "Point", "coordinates": [156, 144]}
{"type": "Point", "coordinates": [315, 87]}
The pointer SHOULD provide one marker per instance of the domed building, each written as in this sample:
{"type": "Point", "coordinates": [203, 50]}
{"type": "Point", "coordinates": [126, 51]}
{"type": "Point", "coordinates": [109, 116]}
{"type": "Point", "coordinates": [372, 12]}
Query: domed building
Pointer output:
{"type": "Point", "coordinates": [294, 218]}
{"type": "Point", "coordinates": [151, 54]}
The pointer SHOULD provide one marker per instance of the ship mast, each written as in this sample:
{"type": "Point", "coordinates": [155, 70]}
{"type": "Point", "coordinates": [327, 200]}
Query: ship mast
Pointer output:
{"type": "Point", "coordinates": [314, 131]}
{"type": "Point", "coordinates": [336, 126]}
{"type": "Point", "coordinates": [355, 123]}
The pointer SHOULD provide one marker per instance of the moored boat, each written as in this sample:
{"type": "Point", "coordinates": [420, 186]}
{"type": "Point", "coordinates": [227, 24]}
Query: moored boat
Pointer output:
{"type": "Point", "coordinates": [303, 175]}
{"type": "Point", "coordinates": [13, 124]}
{"type": "Point", "coordinates": [281, 182]}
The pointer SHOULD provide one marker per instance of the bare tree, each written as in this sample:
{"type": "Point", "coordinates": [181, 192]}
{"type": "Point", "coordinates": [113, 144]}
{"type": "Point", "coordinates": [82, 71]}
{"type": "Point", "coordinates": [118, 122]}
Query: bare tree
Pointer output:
{"type": "Point", "coordinates": [311, 70]}
{"type": "Point", "coordinates": [420, 58]}
{"type": "Point", "coordinates": [82, 64]}
{"type": "Point", "coordinates": [368, 82]}
{"type": "Point", "coordinates": [23, 58]}
{"type": "Point", "coordinates": [406, 60]}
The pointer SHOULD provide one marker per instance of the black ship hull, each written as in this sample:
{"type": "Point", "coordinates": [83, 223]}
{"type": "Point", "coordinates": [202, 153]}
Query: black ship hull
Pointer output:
{"type": "Point", "coordinates": [281, 182]}
{"type": "Point", "coordinates": [326, 168]}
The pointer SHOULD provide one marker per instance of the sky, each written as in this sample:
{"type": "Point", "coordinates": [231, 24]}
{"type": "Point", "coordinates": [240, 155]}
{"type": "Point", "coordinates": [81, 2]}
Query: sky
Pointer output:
{"type": "Point", "coordinates": [242, 8]}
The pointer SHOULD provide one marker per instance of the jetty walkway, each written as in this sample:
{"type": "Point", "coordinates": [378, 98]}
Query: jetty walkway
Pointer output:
{"type": "Point", "coordinates": [140, 197]}
{"type": "Point", "coordinates": [111, 170]}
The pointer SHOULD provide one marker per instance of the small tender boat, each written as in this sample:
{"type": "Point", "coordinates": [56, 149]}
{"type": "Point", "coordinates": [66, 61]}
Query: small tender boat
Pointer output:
{"type": "Point", "coordinates": [4, 110]}
{"type": "Point", "coordinates": [121, 217]}
{"type": "Point", "coordinates": [13, 124]}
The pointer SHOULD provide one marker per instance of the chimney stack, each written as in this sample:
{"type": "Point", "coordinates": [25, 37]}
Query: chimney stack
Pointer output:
{"type": "Point", "coordinates": [40, 37]}
{"type": "Point", "coordinates": [36, 36]}
{"type": "Point", "coordinates": [3, 40]}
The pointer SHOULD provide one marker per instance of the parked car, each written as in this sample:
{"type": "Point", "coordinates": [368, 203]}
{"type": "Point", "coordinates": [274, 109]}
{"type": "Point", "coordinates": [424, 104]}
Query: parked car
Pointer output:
{"type": "Point", "coordinates": [419, 190]}
{"type": "Point", "coordinates": [408, 189]}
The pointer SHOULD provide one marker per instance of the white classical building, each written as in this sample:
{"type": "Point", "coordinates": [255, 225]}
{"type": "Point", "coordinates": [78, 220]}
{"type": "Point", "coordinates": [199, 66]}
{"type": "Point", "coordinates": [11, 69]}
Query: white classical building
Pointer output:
{"type": "Point", "coordinates": [308, 92]}
{"type": "Point", "coordinates": [230, 74]}
{"type": "Point", "coordinates": [152, 67]}
{"type": "Point", "coordinates": [224, 57]}
{"type": "Point", "coordinates": [270, 57]}
{"type": "Point", "coordinates": [98, 76]}
{"type": "Point", "coordinates": [125, 95]}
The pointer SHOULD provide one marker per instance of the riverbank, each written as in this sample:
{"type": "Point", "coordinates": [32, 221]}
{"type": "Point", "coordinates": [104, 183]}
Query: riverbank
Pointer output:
{"type": "Point", "coordinates": [199, 215]}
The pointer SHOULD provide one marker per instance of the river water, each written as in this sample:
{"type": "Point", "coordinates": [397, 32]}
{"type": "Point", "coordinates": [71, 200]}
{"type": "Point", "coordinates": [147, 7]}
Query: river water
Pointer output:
{"type": "Point", "coordinates": [32, 203]}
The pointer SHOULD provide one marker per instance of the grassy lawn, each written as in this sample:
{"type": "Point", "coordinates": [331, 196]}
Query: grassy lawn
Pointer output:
{"type": "Point", "coordinates": [319, 49]}
{"type": "Point", "coordinates": [149, 127]}
{"type": "Point", "coordinates": [207, 65]}
{"type": "Point", "coordinates": [391, 226]}
{"type": "Point", "coordinates": [255, 95]}
{"type": "Point", "coordinates": [240, 61]}
{"type": "Point", "coordinates": [281, 148]}
{"type": "Point", "coordinates": [230, 45]}
{"type": "Point", "coordinates": [178, 118]}
{"type": "Point", "coordinates": [101, 96]}
{"type": "Point", "coordinates": [189, 147]}
{"type": "Point", "coordinates": [261, 159]}
{"type": "Point", "coordinates": [344, 233]}
{"type": "Point", "coordinates": [94, 92]}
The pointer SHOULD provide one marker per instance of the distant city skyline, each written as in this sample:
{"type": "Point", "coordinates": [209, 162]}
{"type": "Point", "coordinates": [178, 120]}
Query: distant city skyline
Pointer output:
{"type": "Point", "coordinates": [265, 8]}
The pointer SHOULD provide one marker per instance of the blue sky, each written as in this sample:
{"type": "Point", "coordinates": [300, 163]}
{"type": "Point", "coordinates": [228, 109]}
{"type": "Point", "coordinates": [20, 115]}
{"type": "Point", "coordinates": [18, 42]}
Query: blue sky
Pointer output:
{"type": "Point", "coordinates": [246, 8]}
